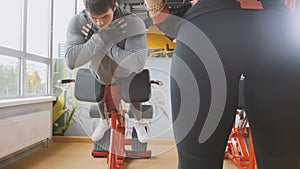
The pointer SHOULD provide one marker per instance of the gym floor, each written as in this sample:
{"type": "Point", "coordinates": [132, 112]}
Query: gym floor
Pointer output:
{"type": "Point", "coordinates": [72, 155]}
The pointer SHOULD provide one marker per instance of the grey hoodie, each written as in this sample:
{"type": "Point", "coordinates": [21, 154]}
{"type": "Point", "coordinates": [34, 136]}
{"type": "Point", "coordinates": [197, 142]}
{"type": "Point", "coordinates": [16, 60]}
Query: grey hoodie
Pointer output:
{"type": "Point", "coordinates": [107, 62]}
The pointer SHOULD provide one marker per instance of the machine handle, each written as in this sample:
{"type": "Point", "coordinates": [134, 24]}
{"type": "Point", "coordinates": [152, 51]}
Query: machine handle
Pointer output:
{"type": "Point", "coordinates": [157, 82]}
{"type": "Point", "coordinates": [63, 81]}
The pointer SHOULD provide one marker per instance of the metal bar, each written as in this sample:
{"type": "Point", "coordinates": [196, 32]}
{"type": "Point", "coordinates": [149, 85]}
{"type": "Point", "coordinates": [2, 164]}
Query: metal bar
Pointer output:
{"type": "Point", "coordinates": [23, 48]}
{"type": "Point", "coordinates": [50, 48]}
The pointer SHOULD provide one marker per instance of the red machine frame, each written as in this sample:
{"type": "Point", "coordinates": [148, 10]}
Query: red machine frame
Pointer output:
{"type": "Point", "coordinates": [237, 149]}
{"type": "Point", "coordinates": [117, 153]}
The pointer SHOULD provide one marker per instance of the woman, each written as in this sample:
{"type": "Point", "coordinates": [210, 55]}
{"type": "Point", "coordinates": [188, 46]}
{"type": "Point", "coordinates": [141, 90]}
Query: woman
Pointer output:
{"type": "Point", "coordinates": [217, 42]}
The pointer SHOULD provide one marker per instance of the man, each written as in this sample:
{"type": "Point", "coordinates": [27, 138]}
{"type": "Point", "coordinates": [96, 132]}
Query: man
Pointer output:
{"type": "Point", "coordinates": [113, 42]}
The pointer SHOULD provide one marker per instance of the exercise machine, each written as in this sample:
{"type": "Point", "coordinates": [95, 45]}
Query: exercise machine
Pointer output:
{"type": "Point", "coordinates": [135, 88]}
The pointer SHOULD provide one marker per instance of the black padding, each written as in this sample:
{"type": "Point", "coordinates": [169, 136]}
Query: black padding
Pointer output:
{"type": "Point", "coordinates": [147, 112]}
{"type": "Point", "coordinates": [241, 101]}
{"type": "Point", "coordinates": [87, 88]}
{"type": "Point", "coordinates": [94, 111]}
{"type": "Point", "coordinates": [136, 88]}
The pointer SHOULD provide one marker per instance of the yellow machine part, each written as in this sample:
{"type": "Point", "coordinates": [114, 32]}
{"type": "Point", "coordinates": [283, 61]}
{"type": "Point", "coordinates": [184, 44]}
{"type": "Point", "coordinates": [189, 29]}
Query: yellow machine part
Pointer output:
{"type": "Point", "coordinates": [157, 40]}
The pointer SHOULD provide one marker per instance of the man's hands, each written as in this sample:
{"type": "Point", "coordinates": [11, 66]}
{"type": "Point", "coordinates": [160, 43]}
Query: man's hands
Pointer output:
{"type": "Point", "coordinates": [88, 31]}
{"type": "Point", "coordinates": [115, 33]}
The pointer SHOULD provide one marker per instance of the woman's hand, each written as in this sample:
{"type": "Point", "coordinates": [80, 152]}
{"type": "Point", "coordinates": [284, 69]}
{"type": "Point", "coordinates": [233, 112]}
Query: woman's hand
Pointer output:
{"type": "Point", "coordinates": [193, 2]}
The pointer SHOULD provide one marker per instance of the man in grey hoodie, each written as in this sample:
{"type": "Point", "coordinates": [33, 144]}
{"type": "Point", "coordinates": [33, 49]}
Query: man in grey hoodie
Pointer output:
{"type": "Point", "coordinates": [113, 42]}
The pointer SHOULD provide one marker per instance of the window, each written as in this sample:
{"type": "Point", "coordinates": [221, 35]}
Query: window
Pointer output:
{"type": "Point", "coordinates": [80, 5]}
{"type": "Point", "coordinates": [24, 45]}
{"type": "Point", "coordinates": [38, 15]}
{"type": "Point", "coordinates": [297, 8]}
{"type": "Point", "coordinates": [10, 31]}
{"type": "Point", "coordinates": [9, 75]}
{"type": "Point", "coordinates": [63, 11]}
{"type": "Point", "coordinates": [36, 78]}
{"type": "Point", "coordinates": [33, 33]}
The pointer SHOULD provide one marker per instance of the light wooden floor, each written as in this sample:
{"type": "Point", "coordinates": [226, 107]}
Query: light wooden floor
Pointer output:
{"type": "Point", "coordinates": [78, 156]}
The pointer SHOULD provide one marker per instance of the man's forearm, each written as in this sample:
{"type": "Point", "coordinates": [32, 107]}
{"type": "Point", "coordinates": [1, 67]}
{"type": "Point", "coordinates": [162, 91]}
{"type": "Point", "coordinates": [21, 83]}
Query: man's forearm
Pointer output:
{"type": "Point", "coordinates": [130, 60]}
{"type": "Point", "coordinates": [80, 54]}
{"type": "Point", "coordinates": [134, 54]}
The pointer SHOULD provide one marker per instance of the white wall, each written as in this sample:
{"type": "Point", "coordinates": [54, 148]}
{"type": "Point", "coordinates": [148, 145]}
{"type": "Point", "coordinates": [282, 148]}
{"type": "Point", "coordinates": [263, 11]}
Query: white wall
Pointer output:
{"type": "Point", "coordinates": [161, 124]}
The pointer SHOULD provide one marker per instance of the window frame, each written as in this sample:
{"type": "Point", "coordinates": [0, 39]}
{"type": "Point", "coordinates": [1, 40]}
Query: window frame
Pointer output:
{"type": "Point", "coordinates": [24, 56]}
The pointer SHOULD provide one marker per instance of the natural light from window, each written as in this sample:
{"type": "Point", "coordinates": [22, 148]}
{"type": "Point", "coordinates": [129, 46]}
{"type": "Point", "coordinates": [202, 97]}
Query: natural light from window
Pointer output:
{"type": "Point", "coordinates": [10, 30]}
{"type": "Point", "coordinates": [9, 75]}
{"type": "Point", "coordinates": [38, 27]}
{"type": "Point", "coordinates": [36, 78]}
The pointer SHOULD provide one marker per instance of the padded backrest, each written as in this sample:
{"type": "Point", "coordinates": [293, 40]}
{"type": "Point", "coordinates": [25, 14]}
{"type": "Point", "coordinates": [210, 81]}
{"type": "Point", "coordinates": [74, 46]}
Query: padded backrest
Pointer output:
{"type": "Point", "coordinates": [136, 88]}
{"type": "Point", "coordinates": [87, 88]}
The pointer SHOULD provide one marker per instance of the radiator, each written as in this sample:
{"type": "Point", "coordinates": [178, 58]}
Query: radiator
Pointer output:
{"type": "Point", "coordinates": [21, 131]}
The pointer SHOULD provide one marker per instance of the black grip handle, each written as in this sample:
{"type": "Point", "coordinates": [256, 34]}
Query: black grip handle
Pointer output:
{"type": "Point", "coordinates": [63, 81]}
{"type": "Point", "coordinates": [157, 82]}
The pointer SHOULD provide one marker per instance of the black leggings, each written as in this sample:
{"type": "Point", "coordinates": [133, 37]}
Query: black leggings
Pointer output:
{"type": "Point", "coordinates": [258, 44]}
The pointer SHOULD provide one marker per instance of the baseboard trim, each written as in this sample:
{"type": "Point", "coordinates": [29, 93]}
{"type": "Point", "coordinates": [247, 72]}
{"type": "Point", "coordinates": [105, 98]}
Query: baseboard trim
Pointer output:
{"type": "Point", "coordinates": [81, 139]}
{"type": "Point", "coordinates": [162, 142]}
{"type": "Point", "coordinates": [71, 139]}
